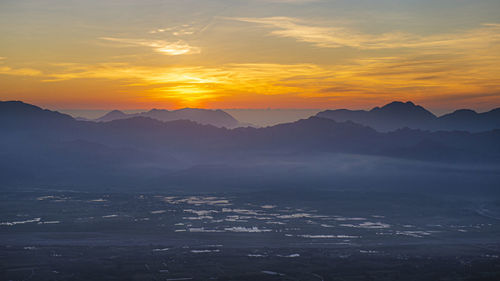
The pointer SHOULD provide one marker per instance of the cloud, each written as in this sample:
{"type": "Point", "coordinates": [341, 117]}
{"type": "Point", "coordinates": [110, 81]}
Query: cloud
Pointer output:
{"type": "Point", "coordinates": [182, 30]}
{"type": "Point", "coordinates": [370, 77]}
{"type": "Point", "coordinates": [453, 65]}
{"type": "Point", "coordinates": [338, 36]}
{"type": "Point", "coordinates": [369, 80]}
{"type": "Point", "coordinates": [6, 70]}
{"type": "Point", "coordinates": [325, 37]}
{"type": "Point", "coordinates": [176, 48]}
{"type": "Point", "coordinates": [185, 93]}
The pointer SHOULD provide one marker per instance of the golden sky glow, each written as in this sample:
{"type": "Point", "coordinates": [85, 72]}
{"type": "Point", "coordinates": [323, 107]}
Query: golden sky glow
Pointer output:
{"type": "Point", "coordinates": [250, 54]}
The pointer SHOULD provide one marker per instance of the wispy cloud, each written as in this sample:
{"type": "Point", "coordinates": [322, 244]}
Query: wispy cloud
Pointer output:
{"type": "Point", "coordinates": [370, 80]}
{"type": "Point", "coordinates": [412, 78]}
{"type": "Point", "coordinates": [23, 71]}
{"type": "Point", "coordinates": [338, 36]}
{"type": "Point", "coordinates": [176, 48]}
{"type": "Point", "coordinates": [452, 66]}
{"type": "Point", "coordinates": [5, 70]}
{"type": "Point", "coordinates": [182, 30]}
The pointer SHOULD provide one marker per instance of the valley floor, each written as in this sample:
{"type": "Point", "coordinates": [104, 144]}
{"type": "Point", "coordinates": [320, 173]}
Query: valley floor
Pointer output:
{"type": "Point", "coordinates": [274, 235]}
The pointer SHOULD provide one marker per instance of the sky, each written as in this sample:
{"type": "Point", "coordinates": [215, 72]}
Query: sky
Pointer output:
{"type": "Point", "coordinates": [302, 54]}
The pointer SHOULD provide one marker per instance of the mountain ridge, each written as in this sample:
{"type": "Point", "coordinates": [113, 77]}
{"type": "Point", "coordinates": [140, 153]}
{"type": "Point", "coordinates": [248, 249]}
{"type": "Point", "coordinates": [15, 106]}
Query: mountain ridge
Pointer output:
{"type": "Point", "coordinates": [397, 115]}
{"type": "Point", "coordinates": [49, 148]}
{"type": "Point", "coordinates": [314, 133]}
{"type": "Point", "coordinates": [218, 118]}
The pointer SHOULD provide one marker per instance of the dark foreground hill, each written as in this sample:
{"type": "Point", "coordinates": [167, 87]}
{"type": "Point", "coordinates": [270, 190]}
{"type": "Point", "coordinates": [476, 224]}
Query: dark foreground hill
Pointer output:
{"type": "Point", "coordinates": [44, 147]}
{"type": "Point", "coordinates": [398, 115]}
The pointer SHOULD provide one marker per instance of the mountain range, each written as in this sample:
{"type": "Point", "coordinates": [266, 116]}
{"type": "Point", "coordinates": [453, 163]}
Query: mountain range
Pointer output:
{"type": "Point", "coordinates": [390, 117]}
{"type": "Point", "coordinates": [398, 115]}
{"type": "Point", "coordinates": [217, 118]}
{"type": "Point", "coordinates": [42, 147]}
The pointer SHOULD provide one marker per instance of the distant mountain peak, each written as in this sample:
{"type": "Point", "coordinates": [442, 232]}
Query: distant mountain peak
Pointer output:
{"type": "Point", "coordinates": [465, 112]}
{"type": "Point", "coordinates": [397, 115]}
{"type": "Point", "coordinates": [395, 105]}
{"type": "Point", "coordinates": [216, 118]}
{"type": "Point", "coordinates": [115, 112]}
{"type": "Point", "coordinates": [405, 108]}
{"type": "Point", "coordinates": [112, 115]}
{"type": "Point", "coordinates": [407, 104]}
{"type": "Point", "coordinates": [157, 110]}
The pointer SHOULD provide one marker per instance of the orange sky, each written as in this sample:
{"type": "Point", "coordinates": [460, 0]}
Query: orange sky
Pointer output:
{"type": "Point", "coordinates": [250, 54]}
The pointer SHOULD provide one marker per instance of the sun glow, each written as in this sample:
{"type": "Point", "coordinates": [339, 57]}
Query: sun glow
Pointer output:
{"type": "Point", "coordinates": [253, 60]}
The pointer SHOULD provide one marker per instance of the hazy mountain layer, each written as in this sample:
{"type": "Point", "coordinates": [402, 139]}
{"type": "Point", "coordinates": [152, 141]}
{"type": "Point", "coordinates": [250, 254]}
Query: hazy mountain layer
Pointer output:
{"type": "Point", "coordinates": [41, 147]}
{"type": "Point", "coordinates": [398, 115]}
{"type": "Point", "coordinates": [216, 118]}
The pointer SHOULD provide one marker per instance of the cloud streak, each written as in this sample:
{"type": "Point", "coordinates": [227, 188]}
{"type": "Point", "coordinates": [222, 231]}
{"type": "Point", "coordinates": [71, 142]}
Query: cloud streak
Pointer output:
{"type": "Point", "coordinates": [176, 48]}
{"type": "Point", "coordinates": [23, 71]}
{"type": "Point", "coordinates": [378, 78]}
{"type": "Point", "coordinates": [452, 66]}
{"type": "Point", "coordinates": [5, 70]}
{"type": "Point", "coordinates": [338, 36]}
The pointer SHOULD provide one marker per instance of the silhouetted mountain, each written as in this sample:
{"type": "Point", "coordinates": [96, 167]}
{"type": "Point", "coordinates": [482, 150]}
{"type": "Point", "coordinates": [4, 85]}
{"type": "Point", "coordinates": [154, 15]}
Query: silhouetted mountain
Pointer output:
{"type": "Point", "coordinates": [46, 147]}
{"type": "Point", "coordinates": [113, 115]}
{"type": "Point", "coordinates": [469, 120]}
{"type": "Point", "coordinates": [398, 115]}
{"type": "Point", "coordinates": [312, 134]}
{"type": "Point", "coordinates": [17, 114]}
{"type": "Point", "coordinates": [390, 117]}
{"type": "Point", "coordinates": [216, 118]}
